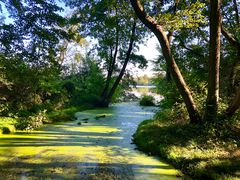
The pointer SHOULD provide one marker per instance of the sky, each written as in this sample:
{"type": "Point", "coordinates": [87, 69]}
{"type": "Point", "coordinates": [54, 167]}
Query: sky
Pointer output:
{"type": "Point", "coordinates": [151, 53]}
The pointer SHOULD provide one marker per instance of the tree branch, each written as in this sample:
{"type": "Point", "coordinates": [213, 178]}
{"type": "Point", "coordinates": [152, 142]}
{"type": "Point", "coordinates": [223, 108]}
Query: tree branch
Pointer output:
{"type": "Point", "coordinates": [188, 48]}
{"type": "Point", "coordinates": [234, 42]}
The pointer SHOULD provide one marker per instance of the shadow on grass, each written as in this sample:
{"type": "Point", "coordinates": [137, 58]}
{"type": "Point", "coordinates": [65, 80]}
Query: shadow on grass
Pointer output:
{"type": "Point", "coordinates": [81, 170]}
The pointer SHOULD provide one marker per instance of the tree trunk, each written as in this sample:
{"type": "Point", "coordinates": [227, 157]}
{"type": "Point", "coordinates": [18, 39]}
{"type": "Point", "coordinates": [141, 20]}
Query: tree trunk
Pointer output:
{"type": "Point", "coordinates": [235, 105]}
{"type": "Point", "coordinates": [214, 60]}
{"type": "Point", "coordinates": [175, 72]}
{"type": "Point", "coordinates": [63, 51]}
{"type": "Point", "coordinates": [233, 73]}
{"type": "Point", "coordinates": [111, 68]}
{"type": "Point", "coordinates": [236, 44]}
{"type": "Point", "coordinates": [170, 37]}
{"type": "Point", "coordinates": [168, 73]}
{"type": "Point", "coordinates": [119, 78]}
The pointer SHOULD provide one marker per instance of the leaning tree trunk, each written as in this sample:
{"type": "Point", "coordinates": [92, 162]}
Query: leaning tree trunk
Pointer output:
{"type": "Point", "coordinates": [168, 73]}
{"type": "Point", "coordinates": [214, 60]}
{"type": "Point", "coordinates": [170, 37]}
{"type": "Point", "coordinates": [175, 72]}
{"type": "Point", "coordinates": [236, 44]}
{"type": "Point", "coordinates": [119, 78]}
{"type": "Point", "coordinates": [111, 68]}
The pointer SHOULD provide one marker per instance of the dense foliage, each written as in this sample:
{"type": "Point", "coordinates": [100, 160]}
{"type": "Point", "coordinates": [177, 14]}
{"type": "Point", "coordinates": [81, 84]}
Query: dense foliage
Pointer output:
{"type": "Point", "coordinates": [34, 80]}
{"type": "Point", "coordinates": [205, 147]}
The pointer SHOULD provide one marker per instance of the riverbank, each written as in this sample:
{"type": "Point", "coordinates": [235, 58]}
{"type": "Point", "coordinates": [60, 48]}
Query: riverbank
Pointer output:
{"type": "Point", "coordinates": [11, 124]}
{"type": "Point", "coordinates": [197, 150]}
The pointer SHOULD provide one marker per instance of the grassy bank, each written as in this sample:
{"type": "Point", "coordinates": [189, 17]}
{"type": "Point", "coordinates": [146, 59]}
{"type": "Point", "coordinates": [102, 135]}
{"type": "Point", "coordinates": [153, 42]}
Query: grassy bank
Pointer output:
{"type": "Point", "coordinates": [10, 124]}
{"type": "Point", "coordinates": [66, 114]}
{"type": "Point", "coordinates": [206, 151]}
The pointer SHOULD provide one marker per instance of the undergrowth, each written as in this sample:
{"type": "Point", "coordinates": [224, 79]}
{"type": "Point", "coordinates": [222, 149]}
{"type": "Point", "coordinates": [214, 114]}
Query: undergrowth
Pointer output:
{"type": "Point", "coordinates": [203, 151]}
{"type": "Point", "coordinates": [30, 122]}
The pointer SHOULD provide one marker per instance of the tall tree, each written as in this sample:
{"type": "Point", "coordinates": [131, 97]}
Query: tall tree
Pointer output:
{"type": "Point", "coordinates": [214, 60]}
{"type": "Point", "coordinates": [230, 31]}
{"type": "Point", "coordinates": [114, 26]}
{"type": "Point", "coordinates": [158, 29]}
{"type": "Point", "coordinates": [106, 100]}
{"type": "Point", "coordinates": [29, 40]}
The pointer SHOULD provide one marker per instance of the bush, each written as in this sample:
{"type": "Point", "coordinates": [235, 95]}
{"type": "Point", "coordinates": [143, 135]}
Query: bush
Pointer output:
{"type": "Point", "coordinates": [8, 129]}
{"type": "Point", "coordinates": [147, 100]}
{"type": "Point", "coordinates": [7, 125]}
{"type": "Point", "coordinates": [67, 114]}
{"type": "Point", "coordinates": [31, 122]}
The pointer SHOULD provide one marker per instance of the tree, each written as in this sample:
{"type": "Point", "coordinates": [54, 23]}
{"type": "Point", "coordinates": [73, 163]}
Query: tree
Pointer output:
{"type": "Point", "coordinates": [214, 60]}
{"type": "Point", "coordinates": [106, 99]}
{"type": "Point", "coordinates": [232, 22]}
{"type": "Point", "coordinates": [29, 40]}
{"type": "Point", "coordinates": [159, 32]}
{"type": "Point", "coordinates": [34, 32]}
{"type": "Point", "coordinates": [114, 26]}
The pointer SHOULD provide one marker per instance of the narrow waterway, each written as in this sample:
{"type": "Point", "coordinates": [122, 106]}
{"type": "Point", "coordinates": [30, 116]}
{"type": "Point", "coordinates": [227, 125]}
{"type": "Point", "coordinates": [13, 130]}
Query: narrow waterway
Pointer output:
{"type": "Point", "coordinates": [97, 148]}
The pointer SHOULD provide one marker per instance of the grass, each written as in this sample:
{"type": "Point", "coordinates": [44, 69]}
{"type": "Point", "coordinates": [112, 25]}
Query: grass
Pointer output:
{"type": "Point", "coordinates": [8, 124]}
{"type": "Point", "coordinates": [201, 151]}
{"type": "Point", "coordinates": [65, 114]}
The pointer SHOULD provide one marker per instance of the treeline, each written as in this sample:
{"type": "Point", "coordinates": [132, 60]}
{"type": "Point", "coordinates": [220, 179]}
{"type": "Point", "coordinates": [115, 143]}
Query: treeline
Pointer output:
{"type": "Point", "coordinates": [143, 80]}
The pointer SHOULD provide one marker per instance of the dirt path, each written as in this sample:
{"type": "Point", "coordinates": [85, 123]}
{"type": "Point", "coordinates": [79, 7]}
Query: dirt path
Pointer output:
{"type": "Point", "coordinates": [99, 148]}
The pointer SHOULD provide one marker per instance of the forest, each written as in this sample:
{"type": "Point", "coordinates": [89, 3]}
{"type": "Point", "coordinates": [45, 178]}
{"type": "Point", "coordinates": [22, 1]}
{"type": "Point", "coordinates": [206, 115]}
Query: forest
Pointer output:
{"type": "Point", "coordinates": [61, 57]}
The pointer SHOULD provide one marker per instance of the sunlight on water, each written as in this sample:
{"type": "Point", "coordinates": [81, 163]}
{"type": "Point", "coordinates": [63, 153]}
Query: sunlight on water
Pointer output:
{"type": "Point", "coordinates": [97, 148]}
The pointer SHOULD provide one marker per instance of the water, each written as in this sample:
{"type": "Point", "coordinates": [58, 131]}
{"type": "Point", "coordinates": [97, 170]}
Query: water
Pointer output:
{"type": "Point", "coordinates": [99, 148]}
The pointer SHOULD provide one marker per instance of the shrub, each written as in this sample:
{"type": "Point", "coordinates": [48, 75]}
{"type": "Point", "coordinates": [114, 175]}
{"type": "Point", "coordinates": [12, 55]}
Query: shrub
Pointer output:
{"type": "Point", "coordinates": [7, 125]}
{"type": "Point", "coordinates": [31, 122]}
{"type": "Point", "coordinates": [147, 100]}
{"type": "Point", "coordinates": [65, 114]}
{"type": "Point", "coordinates": [8, 129]}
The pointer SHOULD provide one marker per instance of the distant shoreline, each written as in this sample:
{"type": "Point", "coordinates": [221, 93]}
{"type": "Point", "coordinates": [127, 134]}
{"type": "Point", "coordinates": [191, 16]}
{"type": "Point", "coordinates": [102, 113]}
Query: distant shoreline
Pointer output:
{"type": "Point", "coordinates": [143, 86]}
